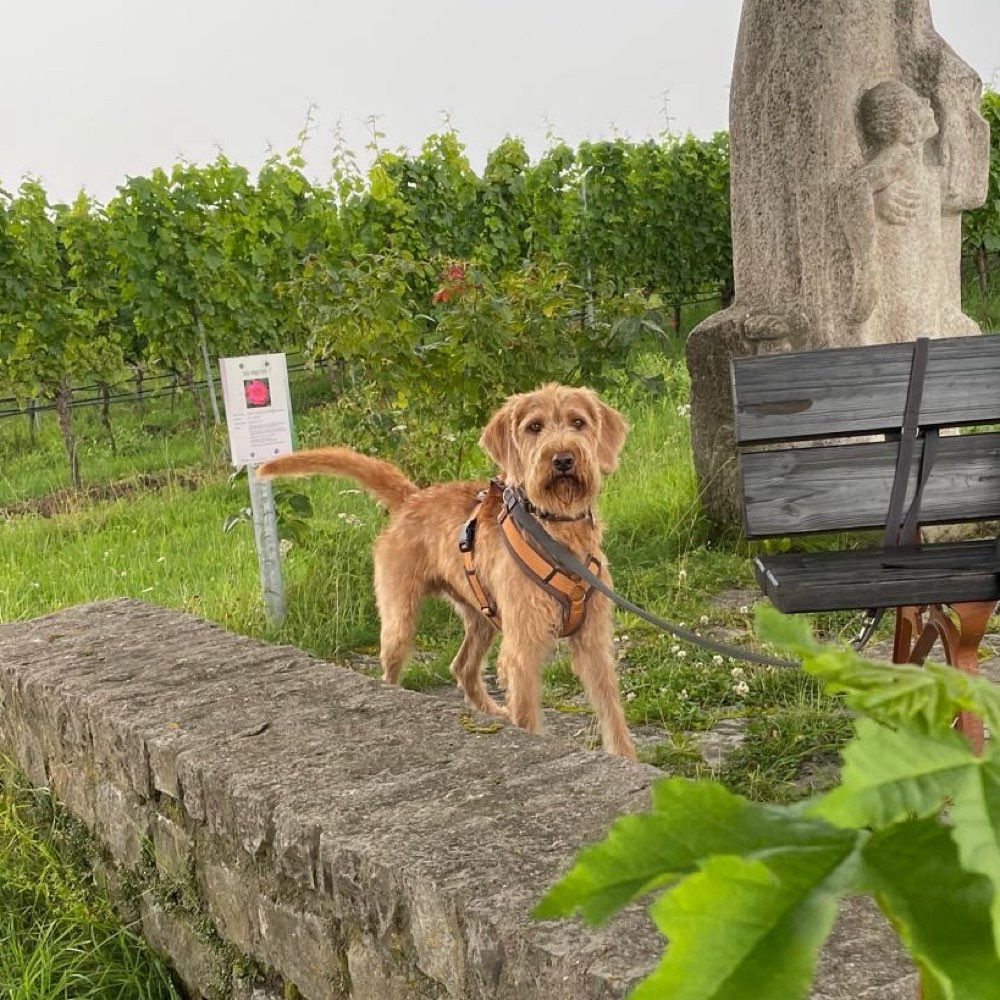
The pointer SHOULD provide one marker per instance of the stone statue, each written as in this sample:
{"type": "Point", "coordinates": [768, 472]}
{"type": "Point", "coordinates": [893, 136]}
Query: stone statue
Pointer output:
{"type": "Point", "coordinates": [856, 143]}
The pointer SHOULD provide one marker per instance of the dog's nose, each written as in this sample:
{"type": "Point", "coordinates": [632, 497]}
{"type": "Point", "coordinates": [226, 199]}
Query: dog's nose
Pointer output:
{"type": "Point", "coordinates": [563, 462]}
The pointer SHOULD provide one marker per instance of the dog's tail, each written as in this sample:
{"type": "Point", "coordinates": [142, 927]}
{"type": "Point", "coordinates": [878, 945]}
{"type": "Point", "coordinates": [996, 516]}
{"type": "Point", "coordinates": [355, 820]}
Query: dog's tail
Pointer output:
{"type": "Point", "coordinates": [381, 479]}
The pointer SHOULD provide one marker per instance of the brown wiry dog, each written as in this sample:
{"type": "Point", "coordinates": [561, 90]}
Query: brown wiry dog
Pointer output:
{"type": "Point", "coordinates": [556, 443]}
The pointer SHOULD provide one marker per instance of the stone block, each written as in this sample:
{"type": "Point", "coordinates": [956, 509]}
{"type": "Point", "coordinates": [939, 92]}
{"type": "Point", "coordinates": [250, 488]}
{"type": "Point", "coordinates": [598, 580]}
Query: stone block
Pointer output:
{"type": "Point", "coordinates": [304, 948]}
{"type": "Point", "coordinates": [121, 822]}
{"type": "Point", "coordinates": [171, 848]}
{"type": "Point", "coordinates": [437, 938]}
{"type": "Point", "coordinates": [248, 989]}
{"type": "Point", "coordinates": [202, 968]}
{"type": "Point", "coordinates": [231, 897]}
{"type": "Point", "coordinates": [75, 788]}
{"type": "Point", "coordinates": [374, 975]}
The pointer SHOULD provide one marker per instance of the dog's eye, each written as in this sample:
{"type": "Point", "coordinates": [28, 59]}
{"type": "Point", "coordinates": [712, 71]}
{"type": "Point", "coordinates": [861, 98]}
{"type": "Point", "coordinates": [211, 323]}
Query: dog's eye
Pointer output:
{"type": "Point", "coordinates": [578, 423]}
{"type": "Point", "coordinates": [535, 427]}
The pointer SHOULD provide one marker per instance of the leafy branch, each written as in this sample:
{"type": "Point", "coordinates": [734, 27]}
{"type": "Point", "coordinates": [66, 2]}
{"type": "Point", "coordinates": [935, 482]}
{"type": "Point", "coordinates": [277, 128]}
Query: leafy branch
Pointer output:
{"type": "Point", "coordinates": [747, 893]}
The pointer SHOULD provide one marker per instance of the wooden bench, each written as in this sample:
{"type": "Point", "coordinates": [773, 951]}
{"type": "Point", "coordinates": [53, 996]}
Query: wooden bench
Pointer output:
{"type": "Point", "coordinates": [799, 476]}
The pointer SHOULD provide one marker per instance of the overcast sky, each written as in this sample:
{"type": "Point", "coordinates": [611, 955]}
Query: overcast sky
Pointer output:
{"type": "Point", "coordinates": [92, 91]}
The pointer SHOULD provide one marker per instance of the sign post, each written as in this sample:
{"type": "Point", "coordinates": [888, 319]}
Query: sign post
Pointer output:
{"type": "Point", "coordinates": [265, 533]}
{"type": "Point", "coordinates": [259, 418]}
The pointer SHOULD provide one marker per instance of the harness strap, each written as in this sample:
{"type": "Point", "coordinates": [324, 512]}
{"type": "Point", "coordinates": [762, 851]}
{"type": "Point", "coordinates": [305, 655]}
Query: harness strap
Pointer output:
{"type": "Point", "coordinates": [567, 588]}
{"type": "Point", "coordinates": [467, 546]}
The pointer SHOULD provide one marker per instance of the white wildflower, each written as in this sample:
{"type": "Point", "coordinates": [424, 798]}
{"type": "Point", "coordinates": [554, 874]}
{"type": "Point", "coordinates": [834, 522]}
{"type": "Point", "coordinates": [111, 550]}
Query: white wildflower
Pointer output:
{"type": "Point", "coordinates": [630, 696]}
{"type": "Point", "coordinates": [703, 620]}
{"type": "Point", "coordinates": [742, 689]}
{"type": "Point", "coordinates": [285, 546]}
{"type": "Point", "coordinates": [683, 694]}
{"type": "Point", "coordinates": [681, 654]}
{"type": "Point", "coordinates": [717, 660]}
{"type": "Point", "coordinates": [736, 672]}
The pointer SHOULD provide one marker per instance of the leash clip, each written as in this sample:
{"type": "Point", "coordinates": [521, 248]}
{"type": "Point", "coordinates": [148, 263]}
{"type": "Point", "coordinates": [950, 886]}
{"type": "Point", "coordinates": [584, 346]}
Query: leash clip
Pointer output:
{"type": "Point", "coordinates": [512, 497]}
{"type": "Point", "coordinates": [869, 622]}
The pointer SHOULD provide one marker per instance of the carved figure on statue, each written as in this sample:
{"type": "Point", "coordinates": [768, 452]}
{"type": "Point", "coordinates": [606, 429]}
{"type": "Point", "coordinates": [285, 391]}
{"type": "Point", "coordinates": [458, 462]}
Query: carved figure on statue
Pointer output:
{"type": "Point", "coordinates": [890, 208]}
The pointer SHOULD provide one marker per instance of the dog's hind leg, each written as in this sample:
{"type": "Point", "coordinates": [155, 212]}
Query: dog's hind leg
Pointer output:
{"type": "Point", "coordinates": [467, 667]}
{"type": "Point", "coordinates": [398, 595]}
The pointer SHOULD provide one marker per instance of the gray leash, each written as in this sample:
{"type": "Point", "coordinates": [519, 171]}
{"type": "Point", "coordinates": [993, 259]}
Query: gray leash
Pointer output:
{"type": "Point", "coordinates": [565, 560]}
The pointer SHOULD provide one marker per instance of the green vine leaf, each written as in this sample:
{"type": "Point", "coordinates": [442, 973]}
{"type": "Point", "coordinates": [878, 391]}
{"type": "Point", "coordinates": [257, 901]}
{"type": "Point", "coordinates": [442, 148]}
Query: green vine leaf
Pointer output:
{"type": "Point", "coordinates": [890, 775]}
{"type": "Point", "coordinates": [942, 912]}
{"type": "Point", "coordinates": [763, 921]}
{"type": "Point", "coordinates": [689, 822]}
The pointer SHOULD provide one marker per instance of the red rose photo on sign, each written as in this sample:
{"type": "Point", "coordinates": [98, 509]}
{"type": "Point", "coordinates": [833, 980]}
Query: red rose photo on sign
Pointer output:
{"type": "Point", "coordinates": [257, 392]}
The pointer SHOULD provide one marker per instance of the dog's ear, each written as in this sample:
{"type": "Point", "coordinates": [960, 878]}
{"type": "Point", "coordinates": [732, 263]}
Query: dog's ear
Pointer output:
{"type": "Point", "coordinates": [611, 437]}
{"type": "Point", "coordinates": [497, 440]}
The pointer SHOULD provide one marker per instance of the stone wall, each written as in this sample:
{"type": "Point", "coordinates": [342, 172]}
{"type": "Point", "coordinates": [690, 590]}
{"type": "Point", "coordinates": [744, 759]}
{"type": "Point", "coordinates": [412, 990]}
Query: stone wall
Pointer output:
{"type": "Point", "coordinates": [283, 827]}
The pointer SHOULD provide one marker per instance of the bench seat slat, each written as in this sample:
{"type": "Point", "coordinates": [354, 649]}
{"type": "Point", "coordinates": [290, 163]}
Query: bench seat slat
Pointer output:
{"type": "Point", "coordinates": [944, 573]}
{"type": "Point", "coordinates": [862, 390]}
{"type": "Point", "coordinates": [847, 487]}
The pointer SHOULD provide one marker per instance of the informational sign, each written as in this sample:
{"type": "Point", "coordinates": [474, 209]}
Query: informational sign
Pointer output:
{"type": "Point", "coordinates": [259, 416]}
{"type": "Point", "coordinates": [258, 407]}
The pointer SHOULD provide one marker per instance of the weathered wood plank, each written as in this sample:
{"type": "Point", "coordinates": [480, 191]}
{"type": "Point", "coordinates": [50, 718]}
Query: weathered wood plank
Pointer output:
{"type": "Point", "coordinates": [862, 390]}
{"type": "Point", "coordinates": [846, 487]}
{"type": "Point", "coordinates": [833, 581]}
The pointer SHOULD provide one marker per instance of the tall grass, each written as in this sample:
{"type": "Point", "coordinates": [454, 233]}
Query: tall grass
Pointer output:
{"type": "Point", "coordinates": [59, 939]}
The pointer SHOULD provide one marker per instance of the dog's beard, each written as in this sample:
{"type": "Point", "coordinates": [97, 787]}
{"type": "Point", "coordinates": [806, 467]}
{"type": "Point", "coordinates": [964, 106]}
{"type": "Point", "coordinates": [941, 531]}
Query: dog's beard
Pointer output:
{"type": "Point", "coordinates": [565, 493]}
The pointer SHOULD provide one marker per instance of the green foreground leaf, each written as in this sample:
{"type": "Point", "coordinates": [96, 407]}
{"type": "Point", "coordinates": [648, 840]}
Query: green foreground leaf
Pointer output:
{"type": "Point", "coordinates": [941, 912]}
{"type": "Point", "coordinates": [761, 921]}
{"type": "Point", "coordinates": [689, 823]}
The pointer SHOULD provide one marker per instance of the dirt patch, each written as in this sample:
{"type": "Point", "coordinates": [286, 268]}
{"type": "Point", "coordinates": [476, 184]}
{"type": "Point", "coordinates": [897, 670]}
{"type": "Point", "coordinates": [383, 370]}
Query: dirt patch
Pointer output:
{"type": "Point", "coordinates": [68, 500]}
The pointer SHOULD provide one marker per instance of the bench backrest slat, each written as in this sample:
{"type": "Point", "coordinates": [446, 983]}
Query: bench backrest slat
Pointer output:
{"type": "Point", "coordinates": [846, 487]}
{"type": "Point", "coordinates": [862, 390]}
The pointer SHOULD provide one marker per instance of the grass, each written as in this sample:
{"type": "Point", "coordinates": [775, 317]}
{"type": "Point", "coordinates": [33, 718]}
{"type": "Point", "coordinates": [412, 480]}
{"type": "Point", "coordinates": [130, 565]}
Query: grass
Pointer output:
{"type": "Point", "coordinates": [59, 939]}
{"type": "Point", "coordinates": [166, 546]}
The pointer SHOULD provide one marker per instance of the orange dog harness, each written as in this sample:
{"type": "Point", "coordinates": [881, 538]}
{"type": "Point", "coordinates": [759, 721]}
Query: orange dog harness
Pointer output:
{"type": "Point", "coordinates": [568, 589]}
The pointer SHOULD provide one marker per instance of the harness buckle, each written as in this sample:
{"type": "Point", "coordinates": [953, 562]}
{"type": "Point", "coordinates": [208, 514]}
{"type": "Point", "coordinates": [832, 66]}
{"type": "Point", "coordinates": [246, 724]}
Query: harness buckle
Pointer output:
{"type": "Point", "coordinates": [467, 536]}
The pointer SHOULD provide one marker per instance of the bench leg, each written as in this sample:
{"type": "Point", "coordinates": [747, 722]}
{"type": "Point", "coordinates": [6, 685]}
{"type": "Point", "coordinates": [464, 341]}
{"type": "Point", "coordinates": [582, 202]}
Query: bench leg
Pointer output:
{"type": "Point", "coordinates": [917, 629]}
